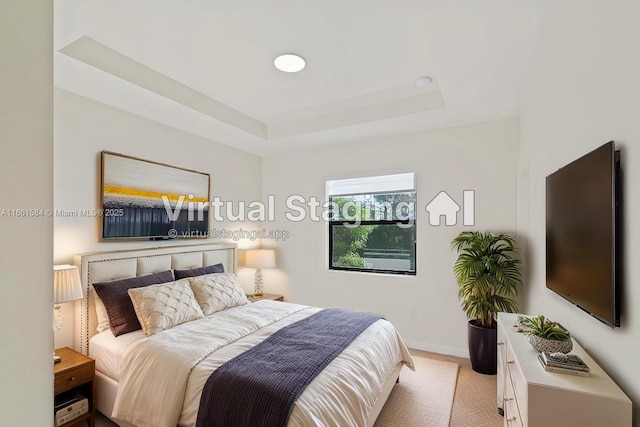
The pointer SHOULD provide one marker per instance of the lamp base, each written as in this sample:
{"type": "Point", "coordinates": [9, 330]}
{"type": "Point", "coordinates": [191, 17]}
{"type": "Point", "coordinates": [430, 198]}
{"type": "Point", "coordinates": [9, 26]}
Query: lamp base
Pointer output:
{"type": "Point", "coordinates": [257, 288]}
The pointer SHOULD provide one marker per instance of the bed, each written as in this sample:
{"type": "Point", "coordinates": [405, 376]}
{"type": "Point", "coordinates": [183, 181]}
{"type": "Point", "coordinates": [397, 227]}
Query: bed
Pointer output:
{"type": "Point", "coordinates": [143, 381]}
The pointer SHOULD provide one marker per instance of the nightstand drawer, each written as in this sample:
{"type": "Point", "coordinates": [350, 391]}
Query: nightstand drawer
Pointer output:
{"type": "Point", "coordinates": [73, 377]}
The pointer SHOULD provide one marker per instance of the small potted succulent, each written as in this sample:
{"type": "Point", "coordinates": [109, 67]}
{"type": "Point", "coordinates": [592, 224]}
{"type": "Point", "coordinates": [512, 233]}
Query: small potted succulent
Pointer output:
{"type": "Point", "coordinates": [546, 335]}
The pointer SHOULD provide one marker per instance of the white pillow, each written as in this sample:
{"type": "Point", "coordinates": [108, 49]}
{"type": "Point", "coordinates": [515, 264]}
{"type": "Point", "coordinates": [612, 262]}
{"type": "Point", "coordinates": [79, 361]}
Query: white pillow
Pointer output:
{"type": "Point", "coordinates": [101, 312]}
{"type": "Point", "coordinates": [218, 291]}
{"type": "Point", "coordinates": [165, 305]}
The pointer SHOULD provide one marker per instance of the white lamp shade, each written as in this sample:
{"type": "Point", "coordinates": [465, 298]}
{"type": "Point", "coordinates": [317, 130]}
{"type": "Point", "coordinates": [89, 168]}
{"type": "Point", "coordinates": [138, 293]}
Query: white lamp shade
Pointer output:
{"type": "Point", "coordinates": [260, 258]}
{"type": "Point", "coordinates": [66, 284]}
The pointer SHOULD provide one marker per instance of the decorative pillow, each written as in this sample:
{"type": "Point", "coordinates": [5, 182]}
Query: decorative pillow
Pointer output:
{"type": "Point", "coordinates": [114, 296]}
{"type": "Point", "coordinates": [182, 274]}
{"type": "Point", "coordinates": [216, 292]}
{"type": "Point", "coordinates": [101, 312]}
{"type": "Point", "coordinates": [164, 306]}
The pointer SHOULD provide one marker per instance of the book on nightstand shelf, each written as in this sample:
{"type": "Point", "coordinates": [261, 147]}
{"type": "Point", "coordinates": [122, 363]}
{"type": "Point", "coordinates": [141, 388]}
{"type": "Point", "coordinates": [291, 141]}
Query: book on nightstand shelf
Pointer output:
{"type": "Point", "coordinates": [580, 371]}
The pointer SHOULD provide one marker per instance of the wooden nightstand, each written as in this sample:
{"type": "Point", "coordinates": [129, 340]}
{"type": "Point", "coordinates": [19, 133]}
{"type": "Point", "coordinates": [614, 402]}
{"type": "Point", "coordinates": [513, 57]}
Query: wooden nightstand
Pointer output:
{"type": "Point", "coordinates": [76, 373]}
{"type": "Point", "coordinates": [273, 297]}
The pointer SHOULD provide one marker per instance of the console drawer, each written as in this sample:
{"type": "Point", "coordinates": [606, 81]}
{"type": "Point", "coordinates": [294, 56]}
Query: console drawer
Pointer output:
{"type": "Point", "coordinates": [512, 416]}
{"type": "Point", "coordinates": [517, 383]}
{"type": "Point", "coordinates": [502, 370]}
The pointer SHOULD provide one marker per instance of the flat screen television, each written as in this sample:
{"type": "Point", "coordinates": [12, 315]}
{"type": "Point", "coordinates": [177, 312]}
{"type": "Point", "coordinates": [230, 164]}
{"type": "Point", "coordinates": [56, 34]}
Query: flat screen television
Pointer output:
{"type": "Point", "coordinates": [583, 233]}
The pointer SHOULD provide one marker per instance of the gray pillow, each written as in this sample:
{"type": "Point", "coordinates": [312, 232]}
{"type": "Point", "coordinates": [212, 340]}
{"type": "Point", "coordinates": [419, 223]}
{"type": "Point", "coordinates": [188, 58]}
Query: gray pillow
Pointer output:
{"type": "Point", "coordinates": [182, 274]}
{"type": "Point", "coordinates": [122, 316]}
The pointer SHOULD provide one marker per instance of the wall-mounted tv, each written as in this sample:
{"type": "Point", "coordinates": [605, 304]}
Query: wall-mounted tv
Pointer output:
{"type": "Point", "coordinates": [583, 233]}
{"type": "Point", "coordinates": [142, 199]}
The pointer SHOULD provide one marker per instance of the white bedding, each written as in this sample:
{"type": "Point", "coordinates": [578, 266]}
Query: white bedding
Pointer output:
{"type": "Point", "coordinates": [109, 352]}
{"type": "Point", "coordinates": [161, 376]}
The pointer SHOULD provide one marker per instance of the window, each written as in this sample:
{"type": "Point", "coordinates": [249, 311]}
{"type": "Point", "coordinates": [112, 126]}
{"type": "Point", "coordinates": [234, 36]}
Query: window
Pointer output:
{"type": "Point", "coordinates": [372, 224]}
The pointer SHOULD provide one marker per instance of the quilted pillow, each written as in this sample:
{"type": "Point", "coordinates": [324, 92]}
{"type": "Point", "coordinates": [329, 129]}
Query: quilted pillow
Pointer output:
{"type": "Point", "coordinates": [164, 306]}
{"type": "Point", "coordinates": [182, 274]}
{"type": "Point", "coordinates": [216, 292]}
{"type": "Point", "coordinates": [122, 316]}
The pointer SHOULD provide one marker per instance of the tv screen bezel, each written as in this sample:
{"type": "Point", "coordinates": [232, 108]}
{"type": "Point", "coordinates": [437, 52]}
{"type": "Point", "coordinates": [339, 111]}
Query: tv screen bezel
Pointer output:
{"type": "Point", "coordinates": [613, 320]}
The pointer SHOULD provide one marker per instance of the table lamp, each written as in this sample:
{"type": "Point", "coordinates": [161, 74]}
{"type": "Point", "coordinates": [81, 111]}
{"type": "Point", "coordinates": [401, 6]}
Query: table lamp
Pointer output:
{"type": "Point", "coordinates": [66, 287]}
{"type": "Point", "coordinates": [259, 259]}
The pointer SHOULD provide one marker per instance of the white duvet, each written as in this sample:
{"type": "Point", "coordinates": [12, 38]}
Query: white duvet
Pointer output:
{"type": "Point", "coordinates": [163, 375]}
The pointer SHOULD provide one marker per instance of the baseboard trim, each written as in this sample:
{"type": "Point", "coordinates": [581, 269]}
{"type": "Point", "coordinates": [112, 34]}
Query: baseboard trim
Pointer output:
{"type": "Point", "coordinates": [438, 349]}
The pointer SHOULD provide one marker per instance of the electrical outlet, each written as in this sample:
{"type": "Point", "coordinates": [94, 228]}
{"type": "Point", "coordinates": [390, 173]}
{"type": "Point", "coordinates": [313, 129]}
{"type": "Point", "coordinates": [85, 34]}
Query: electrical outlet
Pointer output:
{"type": "Point", "coordinates": [414, 314]}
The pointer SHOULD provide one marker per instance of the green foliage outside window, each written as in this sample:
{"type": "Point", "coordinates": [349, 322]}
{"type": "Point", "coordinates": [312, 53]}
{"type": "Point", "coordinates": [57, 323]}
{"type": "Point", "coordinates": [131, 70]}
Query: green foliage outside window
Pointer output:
{"type": "Point", "coordinates": [382, 234]}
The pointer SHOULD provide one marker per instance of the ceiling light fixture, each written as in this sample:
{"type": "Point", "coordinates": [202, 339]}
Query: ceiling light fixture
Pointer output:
{"type": "Point", "coordinates": [289, 63]}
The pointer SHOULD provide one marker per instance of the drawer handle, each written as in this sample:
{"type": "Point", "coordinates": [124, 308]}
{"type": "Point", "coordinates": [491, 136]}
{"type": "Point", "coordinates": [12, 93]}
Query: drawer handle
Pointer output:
{"type": "Point", "coordinates": [511, 361]}
{"type": "Point", "coordinates": [72, 379]}
{"type": "Point", "coordinates": [507, 399]}
{"type": "Point", "coordinates": [511, 419]}
{"type": "Point", "coordinates": [500, 343]}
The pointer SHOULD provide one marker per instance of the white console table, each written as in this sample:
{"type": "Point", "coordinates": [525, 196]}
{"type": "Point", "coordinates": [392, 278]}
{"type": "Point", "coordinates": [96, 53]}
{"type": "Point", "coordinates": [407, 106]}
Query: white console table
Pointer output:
{"type": "Point", "coordinates": [533, 397]}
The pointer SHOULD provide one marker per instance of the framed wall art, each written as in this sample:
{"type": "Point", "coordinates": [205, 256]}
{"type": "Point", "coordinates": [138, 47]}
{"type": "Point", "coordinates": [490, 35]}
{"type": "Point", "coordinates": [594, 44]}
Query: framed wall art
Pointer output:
{"type": "Point", "coordinates": [142, 199]}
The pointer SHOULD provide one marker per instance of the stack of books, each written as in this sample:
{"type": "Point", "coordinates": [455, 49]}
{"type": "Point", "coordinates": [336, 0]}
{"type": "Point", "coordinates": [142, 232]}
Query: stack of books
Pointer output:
{"type": "Point", "coordinates": [564, 364]}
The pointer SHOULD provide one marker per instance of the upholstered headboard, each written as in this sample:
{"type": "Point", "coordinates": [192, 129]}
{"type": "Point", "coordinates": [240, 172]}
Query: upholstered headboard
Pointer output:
{"type": "Point", "coordinates": [107, 266]}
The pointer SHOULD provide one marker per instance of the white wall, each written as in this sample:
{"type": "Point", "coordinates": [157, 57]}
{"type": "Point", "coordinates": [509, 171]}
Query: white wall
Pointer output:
{"type": "Point", "coordinates": [26, 170]}
{"type": "Point", "coordinates": [479, 157]}
{"type": "Point", "coordinates": [583, 91]}
{"type": "Point", "coordinates": [83, 128]}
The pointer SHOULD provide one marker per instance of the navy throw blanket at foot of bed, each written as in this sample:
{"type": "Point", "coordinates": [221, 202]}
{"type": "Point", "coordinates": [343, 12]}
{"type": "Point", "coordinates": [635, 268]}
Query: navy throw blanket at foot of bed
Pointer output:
{"type": "Point", "coordinates": [260, 386]}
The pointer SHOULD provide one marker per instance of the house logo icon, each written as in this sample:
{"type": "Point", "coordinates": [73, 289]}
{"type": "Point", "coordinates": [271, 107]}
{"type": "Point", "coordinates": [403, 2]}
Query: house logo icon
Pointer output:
{"type": "Point", "coordinates": [445, 206]}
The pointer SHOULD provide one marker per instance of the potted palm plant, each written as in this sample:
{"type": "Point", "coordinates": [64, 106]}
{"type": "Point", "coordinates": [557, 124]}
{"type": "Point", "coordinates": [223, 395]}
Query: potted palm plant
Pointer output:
{"type": "Point", "coordinates": [488, 274]}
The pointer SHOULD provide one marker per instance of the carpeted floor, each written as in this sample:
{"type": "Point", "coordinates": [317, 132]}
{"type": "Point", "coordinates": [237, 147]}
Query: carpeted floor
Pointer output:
{"type": "Point", "coordinates": [474, 403]}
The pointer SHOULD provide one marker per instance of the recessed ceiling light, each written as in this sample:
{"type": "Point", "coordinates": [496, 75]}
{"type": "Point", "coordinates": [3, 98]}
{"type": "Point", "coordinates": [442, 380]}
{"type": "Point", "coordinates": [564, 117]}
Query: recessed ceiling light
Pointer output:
{"type": "Point", "coordinates": [289, 63]}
